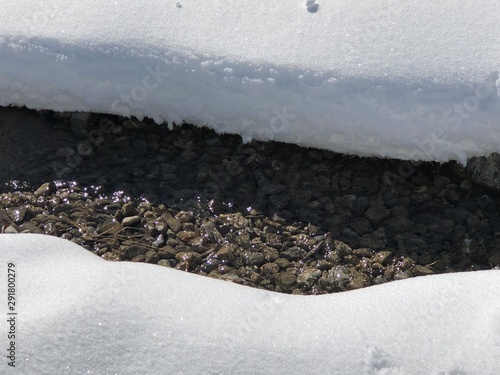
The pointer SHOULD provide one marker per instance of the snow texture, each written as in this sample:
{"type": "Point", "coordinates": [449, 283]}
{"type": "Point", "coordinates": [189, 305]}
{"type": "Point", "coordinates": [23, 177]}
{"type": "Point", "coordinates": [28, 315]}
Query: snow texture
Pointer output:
{"type": "Point", "coordinates": [412, 80]}
{"type": "Point", "coordinates": [79, 314]}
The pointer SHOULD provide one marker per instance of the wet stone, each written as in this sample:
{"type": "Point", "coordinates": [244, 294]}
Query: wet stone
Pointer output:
{"type": "Point", "coordinates": [139, 258]}
{"type": "Point", "coordinates": [133, 251]}
{"type": "Point", "coordinates": [293, 253]}
{"type": "Point", "coordinates": [152, 257]}
{"type": "Point", "coordinates": [383, 257]}
{"type": "Point", "coordinates": [308, 277]}
{"type": "Point", "coordinates": [419, 270]}
{"type": "Point", "coordinates": [172, 222]}
{"type": "Point", "coordinates": [129, 210]}
{"type": "Point", "coordinates": [186, 236]}
{"type": "Point", "coordinates": [131, 220]}
{"type": "Point", "coordinates": [167, 252]}
{"type": "Point", "coordinates": [164, 263]}
{"type": "Point", "coordinates": [288, 281]}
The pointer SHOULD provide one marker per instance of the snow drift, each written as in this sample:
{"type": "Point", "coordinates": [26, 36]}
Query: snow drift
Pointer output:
{"type": "Point", "coordinates": [412, 80]}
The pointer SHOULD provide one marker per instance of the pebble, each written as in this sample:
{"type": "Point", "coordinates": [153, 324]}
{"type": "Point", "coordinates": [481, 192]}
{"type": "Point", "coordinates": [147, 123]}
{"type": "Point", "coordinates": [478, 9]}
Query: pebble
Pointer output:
{"type": "Point", "coordinates": [272, 216]}
{"type": "Point", "coordinates": [131, 220]}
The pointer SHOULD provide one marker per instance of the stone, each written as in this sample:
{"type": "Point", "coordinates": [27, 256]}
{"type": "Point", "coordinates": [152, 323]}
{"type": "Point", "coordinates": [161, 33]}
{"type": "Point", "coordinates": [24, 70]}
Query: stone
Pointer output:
{"type": "Point", "coordinates": [308, 277]}
{"type": "Point", "coordinates": [152, 257]}
{"type": "Point", "coordinates": [44, 189]}
{"type": "Point", "coordinates": [172, 222]}
{"type": "Point", "coordinates": [288, 281]}
{"type": "Point", "coordinates": [139, 258]}
{"type": "Point", "coordinates": [134, 251]}
{"type": "Point", "coordinates": [17, 214]}
{"type": "Point", "coordinates": [164, 263]}
{"type": "Point", "coordinates": [186, 236]}
{"type": "Point", "coordinates": [129, 210]}
{"type": "Point", "coordinates": [167, 252]}
{"type": "Point", "coordinates": [270, 269]}
{"type": "Point", "coordinates": [372, 241]}
{"type": "Point", "coordinates": [252, 258]}
{"type": "Point", "coordinates": [109, 227]}
{"type": "Point", "coordinates": [293, 253]}
{"type": "Point", "coordinates": [383, 257]}
{"type": "Point", "coordinates": [465, 185]}
{"type": "Point", "coordinates": [225, 254]}
{"type": "Point", "coordinates": [377, 213]}
{"type": "Point", "coordinates": [419, 270]}
{"type": "Point", "coordinates": [487, 203]}
{"type": "Point", "coordinates": [440, 181]}
{"type": "Point", "coordinates": [485, 171]}
{"type": "Point", "coordinates": [131, 220]}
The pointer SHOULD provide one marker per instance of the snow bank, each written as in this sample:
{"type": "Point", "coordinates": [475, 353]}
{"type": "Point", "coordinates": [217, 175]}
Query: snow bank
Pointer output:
{"type": "Point", "coordinates": [415, 80]}
{"type": "Point", "coordinates": [78, 314]}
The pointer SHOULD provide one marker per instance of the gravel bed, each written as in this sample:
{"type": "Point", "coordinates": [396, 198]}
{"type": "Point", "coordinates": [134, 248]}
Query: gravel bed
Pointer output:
{"type": "Point", "coordinates": [264, 214]}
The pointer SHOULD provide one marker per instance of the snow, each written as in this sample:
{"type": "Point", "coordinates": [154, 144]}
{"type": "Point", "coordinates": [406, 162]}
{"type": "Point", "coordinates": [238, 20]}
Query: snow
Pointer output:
{"type": "Point", "coordinates": [411, 80]}
{"type": "Point", "coordinates": [79, 314]}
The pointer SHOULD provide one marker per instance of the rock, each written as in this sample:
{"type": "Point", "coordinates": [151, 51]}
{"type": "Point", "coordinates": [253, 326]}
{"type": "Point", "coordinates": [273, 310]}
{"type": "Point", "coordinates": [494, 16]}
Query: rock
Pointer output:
{"type": "Point", "coordinates": [401, 275]}
{"type": "Point", "coordinates": [109, 227]}
{"type": "Point", "coordinates": [270, 253]}
{"type": "Point", "coordinates": [210, 264]}
{"type": "Point", "coordinates": [167, 252]}
{"type": "Point", "coordinates": [270, 269]}
{"type": "Point", "coordinates": [308, 277]}
{"type": "Point", "coordinates": [487, 203]}
{"type": "Point", "coordinates": [274, 240]}
{"type": "Point", "coordinates": [186, 236]}
{"type": "Point", "coordinates": [172, 222]}
{"type": "Point", "coordinates": [10, 229]}
{"type": "Point", "coordinates": [342, 248]}
{"type": "Point", "coordinates": [293, 253]}
{"type": "Point", "coordinates": [372, 241]}
{"type": "Point", "coordinates": [405, 263]}
{"type": "Point", "coordinates": [139, 258]}
{"type": "Point", "coordinates": [377, 213]}
{"type": "Point", "coordinates": [419, 270]}
{"type": "Point", "coordinates": [288, 281]}
{"type": "Point", "coordinates": [357, 281]}
{"type": "Point", "coordinates": [399, 224]}
{"type": "Point", "coordinates": [225, 254]}
{"type": "Point", "coordinates": [485, 171]}
{"type": "Point", "coordinates": [184, 217]}
{"type": "Point", "coordinates": [465, 185]}
{"type": "Point", "coordinates": [135, 250]}
{"type": "Point", "coordinates": [131, 220]}
{"type": "Point", "coordinates": [335, 279]}
{"type": "Point", "coordinates": [443, 227]}
{"type": "Point", "coordinates": [186, 256]}
{"type": "Point", "coordinates": [383, 257]}
{"type": "Point", "coordinates": [129, 210]}
{"type": "Point", "coordinates": [361, 226]}
{"type": "Point", "coordinates": [152, 257]}
{"type": "Point", "coordinates": [440, 181]}
{"type": "Point", "coordinates": [44, 189]}
{"type": "Point", "coordinates": [17, 214]}
{"type": "Point", "coordinates": [363, 252]}
{"type": "Point", "coordinates": [252, 258]}
{"type": "Point", "coordinates": [164, 263]}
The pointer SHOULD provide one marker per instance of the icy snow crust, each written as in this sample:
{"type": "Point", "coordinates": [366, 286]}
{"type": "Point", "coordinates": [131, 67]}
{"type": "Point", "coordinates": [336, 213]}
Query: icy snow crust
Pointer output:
{"type": "Point", "coordinates": [78, 314]}
{"type": "Point", "coordinates": [410, 80]}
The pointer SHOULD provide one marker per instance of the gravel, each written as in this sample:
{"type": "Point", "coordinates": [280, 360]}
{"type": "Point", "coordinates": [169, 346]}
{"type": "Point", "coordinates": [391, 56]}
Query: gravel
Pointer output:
{"type": "Point", "coordinates": [268, 215]}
